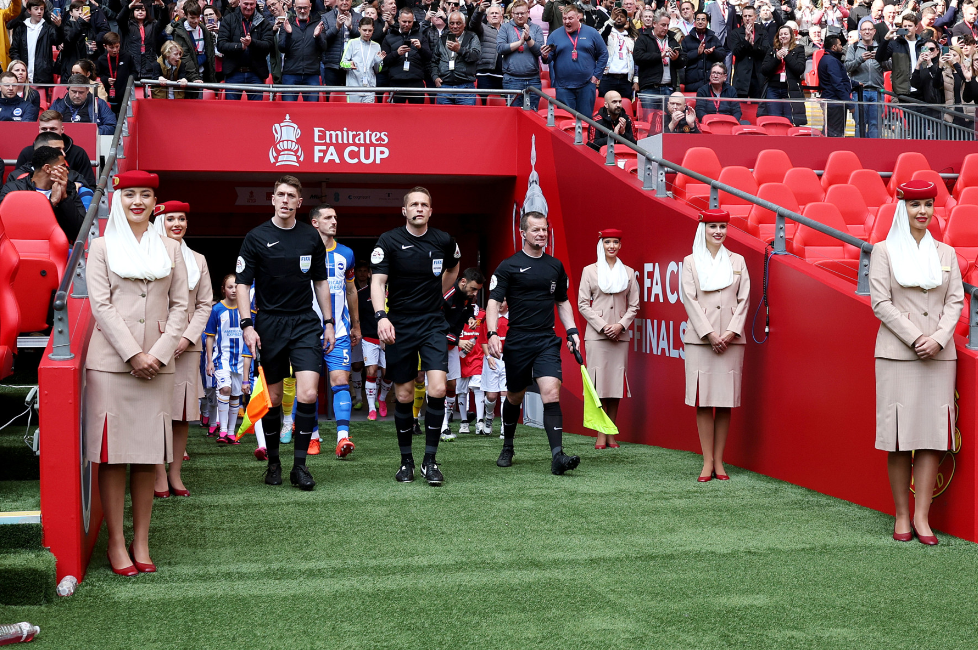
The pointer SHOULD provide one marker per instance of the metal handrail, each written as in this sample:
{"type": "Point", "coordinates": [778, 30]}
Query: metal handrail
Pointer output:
{"type": "Point", "coordinates": [904, 99]}
{"type": "Point", "coordinates": [283, 89]}
{"type": "Point", "coordinates": [75, 269]}
{"type": "Point", "coordinates": [781, 213]}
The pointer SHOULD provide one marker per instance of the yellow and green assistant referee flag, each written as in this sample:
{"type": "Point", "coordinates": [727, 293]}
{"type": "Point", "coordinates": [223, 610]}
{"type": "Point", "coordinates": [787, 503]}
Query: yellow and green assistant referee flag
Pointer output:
{"type": "Point", "coordinates": [594, 416]}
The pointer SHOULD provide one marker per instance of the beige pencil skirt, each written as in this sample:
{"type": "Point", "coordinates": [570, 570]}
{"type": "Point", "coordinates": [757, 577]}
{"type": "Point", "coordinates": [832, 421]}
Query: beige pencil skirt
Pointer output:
{"type": "Point", "coordinates": [915, 404]}
{"type": "Point", "coordinates": [127, 420]}
{"type": "Point", "coordinates": [607, 363]}
{"type": "Point", "coordinates": [187, 389]}
{"type": "Point", "coordinates": [714, 378]}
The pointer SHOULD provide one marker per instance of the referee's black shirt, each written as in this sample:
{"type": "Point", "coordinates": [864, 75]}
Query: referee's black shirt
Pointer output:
{"type": "Point", "coordinates": [458, 311]}
{"type": "Point", "coordinates": [368, 319]}
{"type": "Point", "coordinates": [531, 286]}
{"type": "Point", "coordinates": [281, 263]}
{"type": "Point", "coordinates": [414, 266]}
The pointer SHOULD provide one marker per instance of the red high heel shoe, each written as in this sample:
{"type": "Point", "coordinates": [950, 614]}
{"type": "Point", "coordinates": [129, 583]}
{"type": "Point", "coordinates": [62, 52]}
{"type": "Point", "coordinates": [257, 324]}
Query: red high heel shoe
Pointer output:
{"type": "Point", "coordinates": [127, 572]}
{"type": "Point", "coordinates": [721, 477]}
{"type": "Point", "coordinates": [600, 446]}
{"type": "Point", "coordinates": [140, 566]}
{"type": "Point", "coordinates": [614, 445]}
{"type": "Point", "coordinates": [927, 540]}
{"type": "Point", "coordinates": [705, 479]}
{"type": "Point", "coordinates": [161, 495]}
{"type": "Point", "coordinates": [903, 537]}
{"type": "Point", "coordinates": [176, 492]}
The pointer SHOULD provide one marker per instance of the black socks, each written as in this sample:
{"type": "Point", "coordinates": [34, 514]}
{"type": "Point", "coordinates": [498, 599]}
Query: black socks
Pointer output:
{"type": "Point", "coordinates": [271, 423]}
{"type": "Point", "coordinates": [433, 417]}
{"type": "Point", "coordinates": [305, 422]}
{"type": "Point", "coordinates": [404, 424]}
{"type": "Point", "coordinates": [553, 423]}
{"type": "Point", "coordinates": [511, 415]}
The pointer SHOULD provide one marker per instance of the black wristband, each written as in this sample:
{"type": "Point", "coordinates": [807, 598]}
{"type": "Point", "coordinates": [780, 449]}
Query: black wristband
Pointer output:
{"type": "Point", "coordinates": [246, 322]}
{"type": "Point", "coordinates": [380, 314]}
{"type": "Point", "coordinates": [328, 321]}
{"type": "Point", "coordinates": [489, 335]}
{"type": "Point", "coordinates": [572, 331]}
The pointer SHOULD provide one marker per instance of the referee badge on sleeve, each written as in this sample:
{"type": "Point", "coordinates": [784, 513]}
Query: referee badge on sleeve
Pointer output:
{"type": "Point", "coordinates": [240, 266]}
{"type": "Point", "coordinates": [492, 283]}
{"type": "Point", "coordinates": [305, 262]}
{"type": "Point", "coordinates": [458, 253]}
{"type": "Point", "coordinates": [377, 256]}
{"type": "Point", "coordinates": [436, 266]}
{"type": "Point", "coordinates": [553, 287]}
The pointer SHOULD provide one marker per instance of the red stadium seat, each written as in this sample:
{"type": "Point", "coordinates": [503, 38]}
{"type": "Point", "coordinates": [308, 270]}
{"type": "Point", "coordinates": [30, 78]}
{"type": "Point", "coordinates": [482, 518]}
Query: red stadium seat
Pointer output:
{"type": "Point", "coordinates": [871, 186]}
{"type": "Point", "coordinates": [598, 104]}
{"type": "Point", "coordinates": [804, 131]}
{"type": "Point", "coordinates": [815, 246]}
{"type": "Point", "coordinates": [493, 100]}
{"type": "Point", "coordinates": [852, 208]}
{"type": "Point", "coordinates": [944, 201]}
{"type": "Point", "coordinates": [761, 222]}
{"type": "Point", "coordinates": [631, 166]}
{"type": "Point", "coordinates": [640, 129]}
{"type": "Point", "coordinates": [962, 230]}
{"type": "Point", "coordinates": [906, 164]}
{"type": "Point", "coordinates": [61, 91]}
{"type": "Point", "coordinates": [742, 179]}
{"type": "Point", "coordinates": [621, 153]}
{"type": "Point", "coordinates": [545, 82]}
{"type": "Point", "coordinates": [748, 129]}
{"type": "Point", "coordinates": [839, 167]}
{"type": "Point", "coordinates": [339, 98]}
{"type": "Point", "coordinates": [551, 92]}
{"type": "Point", "coordinates": [968, 196]}
{"type": "Point", "coordinates": [968, 176]}
{"type": "Point", "coordinates": [9, 308]}
{"type": "Point", "coordinates": [719, 124]}
{"type": "Point", "coordinates": [625, 104]}
{"type": "Point", "coordinates": [701, 160]}
{"type": "Point", "coordinates": [30, 225]}
{"type": "Point", "coordinates": [805, 184]}
{"type": "Point", "coordinates": [775, 124]}
{"type": "Point", "coordinates": [558, 112]}
{"type": "Point", "coordinates": [207, 93]}
{"type": "Point", "coordinates": [884, 219]}
{"type": "Point", "coordinates": [771, 166]}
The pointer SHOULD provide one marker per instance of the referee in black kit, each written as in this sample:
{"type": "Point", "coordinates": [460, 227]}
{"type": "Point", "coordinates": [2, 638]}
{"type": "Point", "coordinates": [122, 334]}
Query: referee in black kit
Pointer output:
{"type": "Point", "coordinates": [532, 281]}
{"type": "Point", "coordinates": [281, 256]}
{"type": "Point", "coordinates": [418, 265]}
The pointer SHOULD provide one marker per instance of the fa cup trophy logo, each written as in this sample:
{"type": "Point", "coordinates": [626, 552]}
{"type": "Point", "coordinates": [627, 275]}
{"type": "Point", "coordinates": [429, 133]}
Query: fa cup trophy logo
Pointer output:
{"type": "Point", "coordinates": [286, 150]}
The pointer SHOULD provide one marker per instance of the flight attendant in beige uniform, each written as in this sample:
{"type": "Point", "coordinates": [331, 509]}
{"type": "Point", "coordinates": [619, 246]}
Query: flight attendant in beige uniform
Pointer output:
{"type": "Point", "coordinates": [916, 291]}
{"type": "Point", "coordinates": [137, 287]}
{"type": "Point", "coordinates": [171, 221]}
{"type": "Point", "coordinates": [716, 294]}
{"type": "Point", "coordinates": [608, 300]}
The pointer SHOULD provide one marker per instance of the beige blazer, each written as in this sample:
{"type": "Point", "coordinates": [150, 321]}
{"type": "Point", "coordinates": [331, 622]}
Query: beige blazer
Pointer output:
{"type": "Point", "coordinates": [133, 316]}
{"type": "Point", "coordinates": [600, 309]}
{"type": "Point", "coordinates": [201, 301]}
{"type": "Point", "coordinates": [715, 311]}
{"type": "Point", "coordinates": [906, 313]}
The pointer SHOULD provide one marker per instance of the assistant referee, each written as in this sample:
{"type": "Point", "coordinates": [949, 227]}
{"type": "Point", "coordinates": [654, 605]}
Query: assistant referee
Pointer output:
{"type": "Point", "coordinates": [417, 265]}
{"type": "Point", "coordinates": [281, 256]}
{"type": "Point", "coordinates": [532, 282]}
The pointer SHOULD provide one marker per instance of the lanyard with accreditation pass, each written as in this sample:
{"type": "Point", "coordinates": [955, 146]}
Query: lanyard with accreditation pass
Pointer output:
{"type": "Point", "coordinates": [574, 44]}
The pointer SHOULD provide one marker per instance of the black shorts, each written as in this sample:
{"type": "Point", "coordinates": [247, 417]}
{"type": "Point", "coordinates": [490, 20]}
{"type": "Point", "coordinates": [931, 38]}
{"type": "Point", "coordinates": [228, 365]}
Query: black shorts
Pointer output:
{"type": "Point", "coordinates": [289, 339]}
{"type": "Point", "coordinates": [530, 355]}
{"type": "Point", "coordinates": [425, 335]}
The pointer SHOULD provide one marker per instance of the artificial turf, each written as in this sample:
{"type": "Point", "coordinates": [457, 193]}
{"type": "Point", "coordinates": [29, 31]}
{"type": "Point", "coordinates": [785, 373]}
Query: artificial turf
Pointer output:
{"type": "Point", "coordinates": [628, 551]}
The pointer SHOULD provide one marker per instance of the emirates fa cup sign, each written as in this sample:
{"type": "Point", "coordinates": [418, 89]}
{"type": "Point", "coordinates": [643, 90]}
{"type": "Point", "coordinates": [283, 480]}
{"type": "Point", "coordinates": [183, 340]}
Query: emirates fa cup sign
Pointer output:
{"type": "Point", "coordinates": [286, 150]}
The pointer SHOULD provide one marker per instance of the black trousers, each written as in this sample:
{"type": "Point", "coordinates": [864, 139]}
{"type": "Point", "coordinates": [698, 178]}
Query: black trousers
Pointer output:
{"type": "Point", "coordinates": [835, 121]}
{"type": "Point", "coordinates": [620, 84]}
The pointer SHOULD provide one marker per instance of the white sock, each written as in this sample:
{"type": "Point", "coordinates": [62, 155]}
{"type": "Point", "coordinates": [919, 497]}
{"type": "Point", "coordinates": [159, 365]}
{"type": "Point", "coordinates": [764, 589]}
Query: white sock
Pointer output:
{"type": "Point", "coordinates": [341, 434]}
{"type": "Point", "coordinates": [480, 403]}
{"type": "Point", "coordinates": [463, 405]}
{"type": "Point", "coordinates": [356, 382]}
{"type": "Point", "coordinates": [286, 421]}
{"type": "Point", "coordinates": [222, 411]}
{"type": "Point", "coordinates": [371, 391]}
{"type": "Point", "coordinates": [315, 435]}
{"type": "Point", "coordinates": [449, 407]}
{"type": "Point", "coordinates": [233, 414]}
{"type": "Point", "coordinates": [490, 410]}
{"type": "Point", "coordinates": [259, 434]}
{"type": "Point", "coordinates": [385, 386]}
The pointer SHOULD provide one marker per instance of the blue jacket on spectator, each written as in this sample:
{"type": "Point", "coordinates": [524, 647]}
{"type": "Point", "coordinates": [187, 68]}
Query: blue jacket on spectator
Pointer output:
{"type": "Point", "coordinates": [592, 57]}
{"type": "Point", "coordinates": [17, 109]}
{"type": "Point", "coordinates": [91, 111]}
{"type": "Point", "coordinates": [516, 63]}
{"type": "Point", "coordinates": [833, 78]}
{"type": "Point", "coordinates": [709, 104]}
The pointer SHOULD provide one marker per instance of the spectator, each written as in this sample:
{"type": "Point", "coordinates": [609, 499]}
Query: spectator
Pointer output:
{"type": "Point", "coordinates": [865, 72]}
{"type": "Point", "coordinates": [682, 117]}
{"type": "Point", "coordinates": [767, 22]}
{"type": "Point", "coordinates": [718, 97]}
{"type": "Point", "coordinates": [832, 14]}
{"type": "Point", "coordinates": [553, 13]}
{"type": "Point", "coordinates": [783, 68]}
{"type": "Point", "coordinates": [635, 13]}
{"type": "Point", "coordinates": [659, 59]}
{"type": "Point", "coordinates": [142, 35]}
{"type": "Point", "coordinates": [172, 73]}
{"type": "Point", "coordinates": [613, 117]}
{"type": "Point", "coordinates": [647, 20]}
{"type": "Point", "coordinates": [954, 82]}
{"type": "Point", "coordinates": [339, 28]}
{"type": "Point", "coordinates": [749, 47]}
{"type": "Point", "coordinates": [946, 15]}
{"type": "Point", "coordinates": [198, 44]}
{"type": "Point", "coordinates": [362, 60]}
{"type": "Point", "coordinates": [455, 61]}
{"type": "Point", "coordinates": [245, 40]}
{"type": "Point", "coordinates": [967, 24]}
{"type": "Point", "coordinates": [33, 40]}
{"type": "Point", "coordinates": [485, 23]}
{"type": "Point", "coordinates": [275, 16]}
{"type": "Point", "coordinates": [301, 45]}
{"type": "Point", "coordinates": [19, 68]}
{"type": "Point", "coordinates": [835, 85]}
{"type": "Point", "coordinates": [887, 23]}
{"type": "Point", "coordinates": [723, 21]}
{"type": "Point", "coordinates": [406, 55]}
{"type": "Point", "coordinates": [77, 158]}
{"type": "Point", "coordinates": [81, 36]}
{"type": "Point", "coordinates": [620, 35]}
{"type": "Point", "coordinates": [50, 178]}
{"type": "Point", "coordinates": [518, 47]}
{"type": "Point", "coordinates": [702, 49]}
{"type": "Point", "coordinates": [814, 42]}
{"type": "Point", "coordinates": [212, 22]}
{"type": "Point", "coordinates": [685, 23]}
{"type": "Point", "coordinates": [928, 20]}
{"type": "Point", "coordinates": [805, 16]}
{"type": "Point", "coordinates": [114, 69]}
{"type": "Point", "coordinates": [13, 107]}
{"type": "Point", "coordinates": [861, 9]}
{"type": "Point", "coordinates": [10, 13]}
{"type": "Point", "coordinates": [591, 15]}
{"type": "Point", "coordinates": [56, 140]}
{"type": "Point", "coordinates": [81, 107]}
{"type": "Point", "coordinates": [904, 52]}
{"type": "Point", "coordinates": [577, 56]}
{"type": "Point", "coordinates": [927, 81]}
{"type": "Point", "coordinates": [86, 68]}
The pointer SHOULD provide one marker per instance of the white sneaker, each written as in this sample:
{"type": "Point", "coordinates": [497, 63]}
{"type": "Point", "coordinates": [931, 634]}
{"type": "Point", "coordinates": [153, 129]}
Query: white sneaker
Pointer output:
{"type": "Point", "coordinates": [463, 428]}
{"type": "Point", "coordinates": [447, 434]}
{"type": "Point", "coordinates": [286, 427]}
{"type": "Point", "coordinates": [502, 436]}
{"type": "Point", "coordinates": [487, 427]}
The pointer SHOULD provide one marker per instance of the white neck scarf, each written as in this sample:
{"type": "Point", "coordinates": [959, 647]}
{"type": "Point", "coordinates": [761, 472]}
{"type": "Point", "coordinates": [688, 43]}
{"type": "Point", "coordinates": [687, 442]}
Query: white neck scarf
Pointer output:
{"type": "Point", "coordinates": [145, 259]}
{"type": "Point", "coordinates": [913, 265]}
{"type": "Point", "coordinates": [610, 280]}
{"type": "Point", "coordinates": [193, 270]}
{"type": "Point", "coordinates": [715, 273]}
